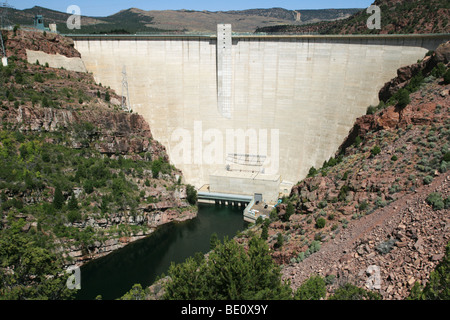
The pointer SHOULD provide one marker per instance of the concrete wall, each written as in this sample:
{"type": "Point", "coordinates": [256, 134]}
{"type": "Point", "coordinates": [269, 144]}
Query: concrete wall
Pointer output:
{"type": "Point", "coordinates": [56, 61]}
{"type": "Point", "coordinates": [298, 95]}
{"type": "Point", "coordinates": [246, 184]}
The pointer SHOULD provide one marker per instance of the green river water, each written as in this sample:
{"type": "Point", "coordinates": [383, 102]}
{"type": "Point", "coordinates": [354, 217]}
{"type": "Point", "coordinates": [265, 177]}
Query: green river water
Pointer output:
{"type": "Point", "coordinates": [141, 262]}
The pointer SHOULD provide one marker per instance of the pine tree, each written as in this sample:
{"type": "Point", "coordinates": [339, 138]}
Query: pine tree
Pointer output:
{"type": "Point", "coordinates": [265, 232]}
{"type": "Point", "coordinates": [73, 203]}
{"type": "Point", "coordinates": [229, 273]}
{"type": "Point", "coordinates": [214, 240]}
{"type": "Point", "coordinates": [58, 199]}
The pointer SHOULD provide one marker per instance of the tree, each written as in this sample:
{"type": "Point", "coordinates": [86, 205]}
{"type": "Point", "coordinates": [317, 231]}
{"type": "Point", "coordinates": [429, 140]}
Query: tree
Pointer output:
{"type": "Point", "coordinates": [312, 289]}
{"type": "Point", "coordinates": [136, 293]}
{"type": "Point", "coordinates": [403, 98]}
{"type": "Point", "coordinates": [312, 172]}
{"type": "Point", "coordinates": [375, 151]}
{"type": "Point", "coordinates": [156, 168]}
{"type": "Point", "coordinates": [447, 77]}
{"type": "Point", "coordinates": [438, 286]}
{"type": "Point", "coordinates": [37, 272]}
{"type": "Point", "coordinates": [320, 223]}
{"type": "Point", "coordinates": [213, 241]}
{"type": "Point", "coordinates": [45, 102]}
{"type": "Point", "coordinates": [265, 231]}
{"type": "Point", "coordinates": [73, 203]}
{"type": "Point", "coordinates": [352, 292]}
{"type": "Point", "coordinates": [289, 211]}
{"type": "Point", "coordinates": [191, 194]}
{"type": "Point", "coordinates": [58, 198]}
{"type": "Point", "coordinates": [280, 241]}
{"type": "Point", "coordinates": [229, 273]}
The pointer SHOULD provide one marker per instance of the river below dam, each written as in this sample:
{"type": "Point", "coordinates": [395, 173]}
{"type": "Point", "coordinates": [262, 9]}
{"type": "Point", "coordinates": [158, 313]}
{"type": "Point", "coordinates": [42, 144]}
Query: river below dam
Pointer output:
{"type": "Point", "coordinates": [143, 261]}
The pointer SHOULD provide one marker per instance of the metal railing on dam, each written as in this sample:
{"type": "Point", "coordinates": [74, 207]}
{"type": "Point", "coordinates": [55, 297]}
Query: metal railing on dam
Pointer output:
{"type": "Point", "coordinates": [231, 199]}
{"type": "Point", "coordinates": [235, 35]}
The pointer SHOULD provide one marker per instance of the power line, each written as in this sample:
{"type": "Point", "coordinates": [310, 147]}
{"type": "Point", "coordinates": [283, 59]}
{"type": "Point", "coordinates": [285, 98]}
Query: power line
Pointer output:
{"type": "Point", "coordinates": [126, 105]}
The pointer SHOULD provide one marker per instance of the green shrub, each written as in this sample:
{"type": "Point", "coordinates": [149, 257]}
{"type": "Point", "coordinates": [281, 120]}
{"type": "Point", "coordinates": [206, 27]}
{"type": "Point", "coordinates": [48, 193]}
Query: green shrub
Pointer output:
{"type": "Point", "coordinates": [315, 246]}
{"type": "Point", "coordinates": [289, 211]}
{"type": "Point", "coordinates": [58, 199]}
{"type": "Point", "coordinates": [230, 273]}
{"type": "Point", "coordinates": [191, 194]}
{"type": "Point", "coordinates": [446, 157]}
{"type": "Point", "coordinates": [88, 186]}
{"type": "Point", "coordinates": [312, 289]}
{"type": "Point", "coordinates": [438, 286]}
{"type": "Point", "coordinates": [386, 246]}
{"type": "Point", "coordinates": [38, 78]}
{"type": "Point", "coordinates": [343, 192]}
{"type": "Point", "coordinates": [427, 179]}
{"type": "Point", "coordinates": [74, 216]}
{"type": "Point", "coordinates": [320, 223]}
{"type": "Point", "coordinates": [312, 172]}
{"type": "Point", "coordinates": [435, 200]}
{"type": "Point", "coordinates": [447, 77]}
{"type": "Point", "coordinates": [73, 203]}
{"type": "Point", "coordinates": [371, 110]}
{"type": "Point", "coordinates": [363, 206]}
{"type": "Point", "coordinates": [280, 241]}
{"type": "Point", "coordinates": [322, 204]}
{"type": "Point", "coordinates": [375, 151]}
{"type": "Point", "coordinates": [352, 292]}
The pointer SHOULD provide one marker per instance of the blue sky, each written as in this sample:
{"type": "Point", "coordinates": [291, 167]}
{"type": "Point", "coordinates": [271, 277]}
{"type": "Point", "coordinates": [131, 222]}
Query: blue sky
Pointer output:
{"type": "Point", "coordinates": [108, 7]}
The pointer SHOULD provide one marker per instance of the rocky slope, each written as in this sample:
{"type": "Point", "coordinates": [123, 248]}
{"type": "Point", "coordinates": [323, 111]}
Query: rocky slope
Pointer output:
{"type": "Point", "coordinates": [374, 203]}
{"type": "Point", "coordinates": [19, 41]}
{"type": "Point", "coordinates": [62, 131]}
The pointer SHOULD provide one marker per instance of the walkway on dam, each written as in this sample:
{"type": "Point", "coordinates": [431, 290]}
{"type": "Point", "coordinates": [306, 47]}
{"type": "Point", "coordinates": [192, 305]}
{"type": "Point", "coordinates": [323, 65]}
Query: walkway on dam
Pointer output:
{"type": "Point", "coordinates": [253, 209]}
{"type": "Point", "coordinates": [225, 198]}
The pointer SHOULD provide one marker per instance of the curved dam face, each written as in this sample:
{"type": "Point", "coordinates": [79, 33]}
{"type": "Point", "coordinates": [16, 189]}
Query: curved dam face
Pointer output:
{"type": "Point", "coordinates": [250, 108]}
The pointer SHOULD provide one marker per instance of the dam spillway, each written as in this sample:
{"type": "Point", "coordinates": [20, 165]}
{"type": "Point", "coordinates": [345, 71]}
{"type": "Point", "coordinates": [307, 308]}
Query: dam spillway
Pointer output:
{"type": "Point", "coordinates": [239, 106]}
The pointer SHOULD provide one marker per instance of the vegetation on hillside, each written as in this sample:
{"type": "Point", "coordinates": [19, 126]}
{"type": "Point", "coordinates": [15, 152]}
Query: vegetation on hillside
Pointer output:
{"type": "Point", "coordinates": [55, 183]}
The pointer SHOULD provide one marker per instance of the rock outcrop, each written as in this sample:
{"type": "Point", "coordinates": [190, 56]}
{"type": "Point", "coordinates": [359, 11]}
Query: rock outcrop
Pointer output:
{"type": "Point", "coordinates": [405, 74]}
{"type": "Point", "coordinates": [20, 41]}
{"type": "Point", "coordinates": [111, 133]}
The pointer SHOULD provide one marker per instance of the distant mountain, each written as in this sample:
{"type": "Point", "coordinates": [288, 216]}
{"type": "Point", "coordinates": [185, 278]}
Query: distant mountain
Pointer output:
{"type": "Point", "coordinates": [136, 20]}
{"type": "Point", "coordinates": [397, 17]}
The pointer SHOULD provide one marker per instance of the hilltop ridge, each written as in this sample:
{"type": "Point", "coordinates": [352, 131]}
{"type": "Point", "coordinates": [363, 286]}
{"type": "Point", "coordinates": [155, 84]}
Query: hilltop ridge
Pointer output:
{"type": "Point", "coordinates": [397, 17]}
{"type": "Point", "coordinates": [134, 20]}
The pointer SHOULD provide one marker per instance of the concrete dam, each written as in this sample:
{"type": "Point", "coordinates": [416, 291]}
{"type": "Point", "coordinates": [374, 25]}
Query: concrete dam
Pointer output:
{"type": "Point", "coordinates": [248, 114]}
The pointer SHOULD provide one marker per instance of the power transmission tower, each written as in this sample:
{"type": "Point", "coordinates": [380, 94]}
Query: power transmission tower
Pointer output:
{"type": "Point", "coordinates": [4, 20]}
{"type": "Point", "coordinates": [2, 48]}
{"type": "Point", "coordinates": [126, 105]}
